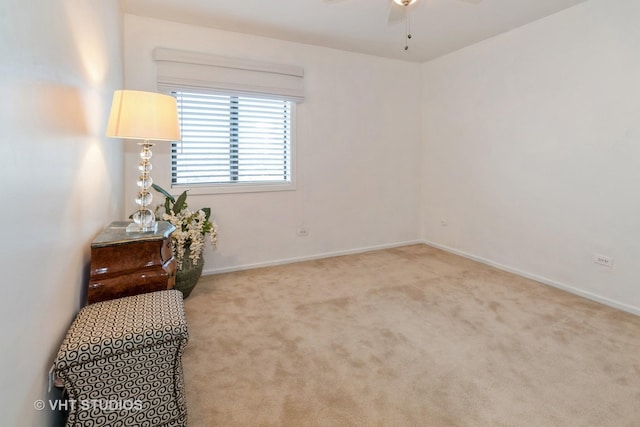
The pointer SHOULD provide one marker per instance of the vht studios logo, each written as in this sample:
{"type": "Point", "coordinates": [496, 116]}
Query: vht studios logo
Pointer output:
{"type": "Point", "coordinates": [89, 404]}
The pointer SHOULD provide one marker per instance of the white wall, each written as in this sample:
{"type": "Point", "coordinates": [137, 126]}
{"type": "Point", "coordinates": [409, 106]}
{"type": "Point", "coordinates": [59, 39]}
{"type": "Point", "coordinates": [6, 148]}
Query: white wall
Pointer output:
{"type": "Point", "coordinates": [62, 179]}
{"type": "Point", "coordinates": [358, 133]}
{"type": "Point", "coordinates": [532, 154]}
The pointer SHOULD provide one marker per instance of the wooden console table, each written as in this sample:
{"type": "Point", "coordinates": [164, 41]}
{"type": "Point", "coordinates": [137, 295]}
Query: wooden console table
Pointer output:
{"type": "Point", "coordinates": [124, 264]}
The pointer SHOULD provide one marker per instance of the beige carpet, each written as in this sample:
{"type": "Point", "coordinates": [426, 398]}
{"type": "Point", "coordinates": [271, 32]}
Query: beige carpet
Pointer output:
{"type": "Point", "coordinates": [410, 336]}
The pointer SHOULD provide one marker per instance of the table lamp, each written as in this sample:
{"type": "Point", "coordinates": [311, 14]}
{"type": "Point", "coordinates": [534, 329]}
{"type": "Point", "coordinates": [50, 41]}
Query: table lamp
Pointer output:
{"type": "Point", "coordinates": [147, 117]}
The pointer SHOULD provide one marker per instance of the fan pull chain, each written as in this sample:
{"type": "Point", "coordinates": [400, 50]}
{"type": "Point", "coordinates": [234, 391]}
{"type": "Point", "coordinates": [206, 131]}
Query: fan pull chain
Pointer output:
{"type": "Point", "coordinates": [407, 27]}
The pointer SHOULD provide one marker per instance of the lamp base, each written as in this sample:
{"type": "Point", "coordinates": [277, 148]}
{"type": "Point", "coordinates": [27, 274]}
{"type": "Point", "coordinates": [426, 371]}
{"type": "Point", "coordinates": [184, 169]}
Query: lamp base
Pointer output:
{"type": "Point", "coordinates": [144, 220]}
{"type": "Point", "coordinates": [137, 228]}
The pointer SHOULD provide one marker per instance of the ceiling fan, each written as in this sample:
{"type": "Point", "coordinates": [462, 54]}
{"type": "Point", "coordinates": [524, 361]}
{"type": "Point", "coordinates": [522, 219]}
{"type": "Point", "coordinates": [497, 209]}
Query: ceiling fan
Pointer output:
{"type": "Point", "coordinates": [400, 7]}
{"type": "Point", "coordinates": [400, 11]}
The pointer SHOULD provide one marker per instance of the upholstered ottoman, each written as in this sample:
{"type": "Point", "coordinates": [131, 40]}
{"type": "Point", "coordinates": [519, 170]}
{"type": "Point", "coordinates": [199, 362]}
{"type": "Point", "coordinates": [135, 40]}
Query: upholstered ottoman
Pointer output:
{"type": "Point", "coordinates": [121, 362]}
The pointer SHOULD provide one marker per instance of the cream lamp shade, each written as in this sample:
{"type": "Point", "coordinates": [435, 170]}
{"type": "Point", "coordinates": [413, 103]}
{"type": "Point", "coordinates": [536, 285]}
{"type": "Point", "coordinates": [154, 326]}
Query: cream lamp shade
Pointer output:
{"type": "Point", "coordinates": [143, 115]}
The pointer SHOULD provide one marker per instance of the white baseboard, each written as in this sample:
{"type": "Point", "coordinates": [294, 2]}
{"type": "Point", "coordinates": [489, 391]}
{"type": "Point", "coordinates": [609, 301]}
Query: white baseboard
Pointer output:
{"type": "Point", "coordinates": [594, 297]}
{"type": "Point", "coordinates": [283, 261]}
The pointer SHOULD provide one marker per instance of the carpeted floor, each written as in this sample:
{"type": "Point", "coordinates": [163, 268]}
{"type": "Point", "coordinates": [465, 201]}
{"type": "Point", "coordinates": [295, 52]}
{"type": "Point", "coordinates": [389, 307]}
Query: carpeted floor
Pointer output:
{"type": "Point", "coordinates": [410, 336]}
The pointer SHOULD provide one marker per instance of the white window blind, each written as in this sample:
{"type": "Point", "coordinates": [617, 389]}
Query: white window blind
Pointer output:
{"type": "Point", "coordinates": [231, 139]}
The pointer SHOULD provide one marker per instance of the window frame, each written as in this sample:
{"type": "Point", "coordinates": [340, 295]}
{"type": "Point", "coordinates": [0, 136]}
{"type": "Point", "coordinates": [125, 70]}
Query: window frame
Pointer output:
{"type": "Point", "coordinates": [238, 187]}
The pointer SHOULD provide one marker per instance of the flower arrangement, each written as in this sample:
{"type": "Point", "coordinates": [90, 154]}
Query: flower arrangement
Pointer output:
{"type": "Point", "coordinates": [191, 226]}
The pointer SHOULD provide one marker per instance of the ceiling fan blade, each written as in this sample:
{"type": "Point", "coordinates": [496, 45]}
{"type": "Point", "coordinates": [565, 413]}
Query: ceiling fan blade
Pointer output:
{"type": "Point", "coordinates": [396, 13]}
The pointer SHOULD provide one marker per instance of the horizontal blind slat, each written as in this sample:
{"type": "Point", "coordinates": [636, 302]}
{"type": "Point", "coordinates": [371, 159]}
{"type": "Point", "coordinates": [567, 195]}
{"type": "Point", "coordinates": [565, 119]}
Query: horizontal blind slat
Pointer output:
{"type": "Point", "coordinates": [228, 139]}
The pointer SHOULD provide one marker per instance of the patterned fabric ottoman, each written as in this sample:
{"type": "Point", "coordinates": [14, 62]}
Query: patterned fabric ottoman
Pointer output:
{"type": "Point", "coordinates": [121, 362]}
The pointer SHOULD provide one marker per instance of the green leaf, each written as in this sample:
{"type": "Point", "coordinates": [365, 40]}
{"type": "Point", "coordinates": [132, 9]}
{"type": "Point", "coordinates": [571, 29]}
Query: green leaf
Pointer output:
{"type": "Point", "coordinates": [180, 203]}
{"type": "Point", "coordinates": [167, 206]}
{"type": "Point", "coordinates": [164, 192]}
{"type": "Point", "coordinates": [207, 213]}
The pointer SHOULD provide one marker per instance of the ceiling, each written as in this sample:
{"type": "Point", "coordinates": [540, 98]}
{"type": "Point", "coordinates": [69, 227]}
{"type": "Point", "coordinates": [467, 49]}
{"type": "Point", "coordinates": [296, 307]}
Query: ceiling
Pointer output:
{"type": "Point", "coordinates": [437, 26]}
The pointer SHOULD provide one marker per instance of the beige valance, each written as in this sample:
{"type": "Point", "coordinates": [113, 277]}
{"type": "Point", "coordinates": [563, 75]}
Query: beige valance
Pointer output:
{"type": "Point", "coordinates": [184, 69]}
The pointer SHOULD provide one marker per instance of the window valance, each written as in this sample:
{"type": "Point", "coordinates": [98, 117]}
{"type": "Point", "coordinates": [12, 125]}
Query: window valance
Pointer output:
{"type": "Point", "coordinates": [178, 68]}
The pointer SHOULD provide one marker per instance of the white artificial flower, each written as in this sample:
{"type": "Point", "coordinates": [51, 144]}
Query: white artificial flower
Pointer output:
{"type": "Point", "coordinates": [190, 232]}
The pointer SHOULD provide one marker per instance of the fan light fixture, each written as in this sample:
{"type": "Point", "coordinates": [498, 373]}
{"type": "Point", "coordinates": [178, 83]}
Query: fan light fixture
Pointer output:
{"type": "Point", "coordinates": [400, 10]}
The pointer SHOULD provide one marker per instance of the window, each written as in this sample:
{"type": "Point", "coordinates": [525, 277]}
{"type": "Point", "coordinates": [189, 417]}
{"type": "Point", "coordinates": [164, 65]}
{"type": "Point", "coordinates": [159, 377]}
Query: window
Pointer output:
{"type": "Point", "coordinates": [237, 117]}
{"type": "Point", "coordinates": [229, 140]}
